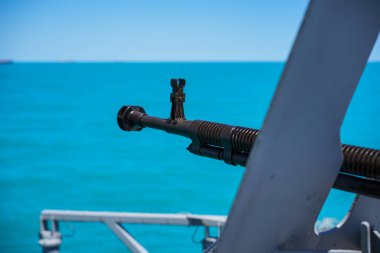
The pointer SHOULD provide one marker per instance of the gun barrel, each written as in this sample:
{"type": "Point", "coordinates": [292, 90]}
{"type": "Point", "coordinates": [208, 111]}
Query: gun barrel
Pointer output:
{"type": "Point", "coordinates": [207, 136]}
{"type": "Point", "coordinates": [233, 144]}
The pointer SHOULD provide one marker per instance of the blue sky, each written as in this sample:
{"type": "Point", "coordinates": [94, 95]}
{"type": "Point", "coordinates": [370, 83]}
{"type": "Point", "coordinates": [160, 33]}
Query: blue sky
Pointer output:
{"type": "Point", "coordinates": [140, 30]}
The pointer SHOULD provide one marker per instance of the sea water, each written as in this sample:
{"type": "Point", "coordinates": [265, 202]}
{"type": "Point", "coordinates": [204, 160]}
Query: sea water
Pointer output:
{"type": "Point", "coordinates": [60, 146]}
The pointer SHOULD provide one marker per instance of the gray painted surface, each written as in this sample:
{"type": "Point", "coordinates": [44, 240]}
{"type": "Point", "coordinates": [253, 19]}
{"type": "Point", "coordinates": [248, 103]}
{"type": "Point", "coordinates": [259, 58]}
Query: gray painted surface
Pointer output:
{"type": "Point", "coordinates": [349, 233]}
{"type": "Point", "coordinates": [319, 251]}
{"type": "Point", "coordinates": [365, 230]}
{"type": "Point", "coordinates": [282, 192]}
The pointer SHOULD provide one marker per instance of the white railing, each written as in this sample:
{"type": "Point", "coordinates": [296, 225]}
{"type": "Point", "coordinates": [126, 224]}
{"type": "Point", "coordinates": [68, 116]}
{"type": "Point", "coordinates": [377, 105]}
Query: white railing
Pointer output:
{"type": "Point", "coordinates": [50, 237]}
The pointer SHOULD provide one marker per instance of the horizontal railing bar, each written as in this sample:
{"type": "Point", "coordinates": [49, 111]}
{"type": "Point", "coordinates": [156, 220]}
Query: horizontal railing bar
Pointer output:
{"type": "Point", "coordinates": [135, 218]}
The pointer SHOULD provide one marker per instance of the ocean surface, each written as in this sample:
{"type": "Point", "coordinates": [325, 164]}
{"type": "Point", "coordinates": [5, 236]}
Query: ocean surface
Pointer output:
{"type": "Point", "coordinates": [60, 146]}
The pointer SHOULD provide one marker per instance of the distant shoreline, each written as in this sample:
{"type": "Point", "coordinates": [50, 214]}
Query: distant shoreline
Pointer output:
{"type": "Point", "coordinates": [6, 61]}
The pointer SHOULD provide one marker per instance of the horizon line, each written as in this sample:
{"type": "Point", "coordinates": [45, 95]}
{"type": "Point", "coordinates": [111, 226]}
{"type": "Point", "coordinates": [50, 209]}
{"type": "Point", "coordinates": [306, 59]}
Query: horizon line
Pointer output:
{"type": "Point", "coordinates": [153, 61]}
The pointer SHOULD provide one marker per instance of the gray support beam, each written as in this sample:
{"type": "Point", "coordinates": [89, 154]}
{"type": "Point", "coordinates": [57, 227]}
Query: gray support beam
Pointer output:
{"type": "Point", "coordinates": [365, 235]}
{"type": "Point", "coordinates": [51, 239]}
{"type": "Point", "coordinates": [126, 238]}
{"type": "Point", "coordinates": [296, 158]}
{"type": "Point", "coordinates": [135, 218]}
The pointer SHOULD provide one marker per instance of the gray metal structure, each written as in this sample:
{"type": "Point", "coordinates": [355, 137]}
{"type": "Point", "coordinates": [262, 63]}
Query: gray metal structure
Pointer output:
{"type": "Point", "coordinates": [282, 193]}
{"type": "Point", "coordinates": [50, 237]}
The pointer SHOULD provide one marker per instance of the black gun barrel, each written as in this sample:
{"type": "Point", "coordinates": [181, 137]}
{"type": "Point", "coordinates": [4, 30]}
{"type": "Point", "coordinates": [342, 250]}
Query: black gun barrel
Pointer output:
{"type": "Point", "coordinates": [359, 173]}
{"type": "Point", "coordinates": [214, 140]}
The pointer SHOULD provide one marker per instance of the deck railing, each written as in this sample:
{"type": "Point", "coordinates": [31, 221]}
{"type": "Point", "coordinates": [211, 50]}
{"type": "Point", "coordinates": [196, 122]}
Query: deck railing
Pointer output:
{"type": "Point", "coordinates": [50, 237]}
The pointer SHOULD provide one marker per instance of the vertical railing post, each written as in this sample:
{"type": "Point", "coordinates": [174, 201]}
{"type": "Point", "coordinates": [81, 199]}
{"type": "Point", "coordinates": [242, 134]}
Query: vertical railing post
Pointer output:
{"type": "Point", "coordinates": [50, 239]}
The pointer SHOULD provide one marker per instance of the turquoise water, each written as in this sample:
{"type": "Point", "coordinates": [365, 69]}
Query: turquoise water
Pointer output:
{"type": "Point", "coordinates": [61, 147]}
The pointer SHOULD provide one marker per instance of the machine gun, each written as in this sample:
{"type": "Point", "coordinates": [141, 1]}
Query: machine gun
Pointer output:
{"type": "Point", "coordinates": [359, 173]}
